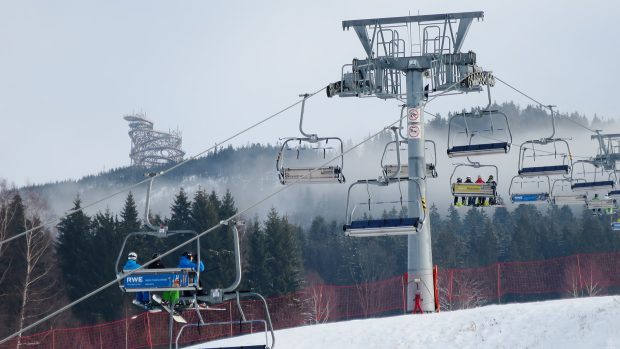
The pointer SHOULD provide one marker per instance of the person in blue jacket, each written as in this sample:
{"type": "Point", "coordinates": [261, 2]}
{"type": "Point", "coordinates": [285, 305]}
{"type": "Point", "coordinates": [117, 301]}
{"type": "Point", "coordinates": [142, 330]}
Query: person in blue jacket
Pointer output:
{"type": "Point", "coordinates": [143, 298]}
{"type": "Point", "coordinates": [187, 261]}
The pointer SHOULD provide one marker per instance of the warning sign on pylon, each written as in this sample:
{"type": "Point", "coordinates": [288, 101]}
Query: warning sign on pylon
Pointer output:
{"type": "Point", "coordinates": [413, 115]}
{"type": "Point", "coordinates": [414, 131]}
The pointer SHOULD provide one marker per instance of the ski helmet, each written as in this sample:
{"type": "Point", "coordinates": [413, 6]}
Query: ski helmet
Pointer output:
{"type": "Point", "coordinates": [132, 255]}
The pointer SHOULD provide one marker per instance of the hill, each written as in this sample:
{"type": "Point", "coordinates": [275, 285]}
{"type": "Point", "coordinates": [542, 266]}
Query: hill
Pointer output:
{"type": "Point", "coordinates": [568, 323]}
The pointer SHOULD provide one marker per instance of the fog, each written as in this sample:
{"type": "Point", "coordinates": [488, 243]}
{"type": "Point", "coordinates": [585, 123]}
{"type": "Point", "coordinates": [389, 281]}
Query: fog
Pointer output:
{"type": "Point", "coordinates": [254, 181]}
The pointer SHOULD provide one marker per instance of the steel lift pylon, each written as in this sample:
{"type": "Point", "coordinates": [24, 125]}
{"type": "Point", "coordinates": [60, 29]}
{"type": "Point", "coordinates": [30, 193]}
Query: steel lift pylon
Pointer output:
{"type": "Point", "coordinates": [397, 67]}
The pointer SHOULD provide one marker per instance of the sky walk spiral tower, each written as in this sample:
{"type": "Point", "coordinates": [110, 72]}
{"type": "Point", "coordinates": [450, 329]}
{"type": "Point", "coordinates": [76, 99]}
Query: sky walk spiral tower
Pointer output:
{"type": "Point", "coordinates": [151, 148]}
{"type": "Point", "coordinates": [412, 58]}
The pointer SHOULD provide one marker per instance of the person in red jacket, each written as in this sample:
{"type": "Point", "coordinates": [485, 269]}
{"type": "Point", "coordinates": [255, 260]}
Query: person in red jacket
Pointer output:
{"type": "Point", "coordinates": [480, 199]}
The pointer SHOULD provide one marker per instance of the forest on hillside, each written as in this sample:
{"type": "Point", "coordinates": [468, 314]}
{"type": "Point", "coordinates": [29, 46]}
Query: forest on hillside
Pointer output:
{"type": "Point", "coordinates": [40, 272]}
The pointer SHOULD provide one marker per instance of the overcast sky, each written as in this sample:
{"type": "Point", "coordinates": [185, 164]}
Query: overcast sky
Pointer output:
{"type": "Point", "coordinates": [69, 70]}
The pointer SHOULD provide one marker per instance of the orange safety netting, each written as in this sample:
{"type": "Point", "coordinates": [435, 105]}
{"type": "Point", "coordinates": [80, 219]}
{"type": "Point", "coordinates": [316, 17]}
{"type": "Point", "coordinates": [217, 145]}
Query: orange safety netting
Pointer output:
{"type": "Point", "coordinates": [572, 276]}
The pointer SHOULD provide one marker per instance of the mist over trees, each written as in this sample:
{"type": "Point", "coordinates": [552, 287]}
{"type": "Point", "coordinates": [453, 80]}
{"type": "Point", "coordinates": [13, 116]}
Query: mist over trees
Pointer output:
{"type": "Point", "coordinates": [295, 243]}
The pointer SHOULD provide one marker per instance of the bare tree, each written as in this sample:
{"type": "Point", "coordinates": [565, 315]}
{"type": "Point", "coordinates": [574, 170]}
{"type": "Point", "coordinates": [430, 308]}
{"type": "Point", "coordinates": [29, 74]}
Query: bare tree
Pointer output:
{"type": "Point", "coordinates": [39, 288]}
{"type": "Point", "coordinates": [318, 304]}
{"type": "Point", "coordinates": [466, 292]}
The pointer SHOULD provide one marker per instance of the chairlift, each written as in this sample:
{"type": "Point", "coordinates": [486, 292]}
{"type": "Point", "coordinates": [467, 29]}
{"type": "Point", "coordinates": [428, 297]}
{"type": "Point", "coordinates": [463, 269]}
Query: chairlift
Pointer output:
{"type": "Point", "coordinates": [309, 174]}
{"type": "Point", "coordinates": [585, 183]}
{"type": "Point", "coordinates": [159, 280]}
{"type": "Point", "coordinates": [476, 190]}
{"type": "Point", "coordinates": [529, 196]}
{"type": "Point", "coordinates": [401, 168]}
{"type": "Point", "coordinates": [231, 293]}
{"type": "Point", "coordinates": [528, 150]}
{"type": "Point", "coordinates": [469, 127]}
{"type": "Point", "coordinates": [606, 203]}
{"type": "Point", "coordinates": [168, 279]}
{"type": "Point", "coordinates": [559, 197]}
{"type": "Point", "coordinates": [369, 226]}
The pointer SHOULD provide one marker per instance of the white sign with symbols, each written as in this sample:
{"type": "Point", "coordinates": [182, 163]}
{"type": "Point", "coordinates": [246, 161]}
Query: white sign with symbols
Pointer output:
{"type": "Point", "coordinates": [413, 114]}
{"type": "Point", "coordinates": [414, 131]}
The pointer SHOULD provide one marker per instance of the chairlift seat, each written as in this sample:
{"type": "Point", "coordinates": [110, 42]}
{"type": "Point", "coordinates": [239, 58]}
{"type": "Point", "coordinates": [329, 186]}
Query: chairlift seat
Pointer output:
{"type": "Point", "coordinates": [615, 226]}
{"type": "Point", "coordinates": [390, 170]}
{"type": "Point", "coordinates": [474, 190]}
{"type": "Point", "coordinates": [479, 149]}
{"type": "Point", "coordinates": [329, 174]}
{"type": "Point", "coordinates": [530, 197]}
{"type": "Point", "coordinates": [601, 204]}
{"type": "Point", "coordinates": [614, 194]}
{"type": "Point", "coordinates": [382, 227]}
{"type": "Point", "coordinates": [579, 199]}
{"type": "Point", "coordinates": [593, 185]}
{"type": "Point", "coordinates": [544, 171]}
{"type": "Point", "coordinates": [167, 279]}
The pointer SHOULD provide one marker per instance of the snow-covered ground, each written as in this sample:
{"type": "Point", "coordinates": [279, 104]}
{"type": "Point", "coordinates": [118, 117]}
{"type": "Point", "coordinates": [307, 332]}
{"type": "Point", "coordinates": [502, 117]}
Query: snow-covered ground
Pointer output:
{"type": "Point", "coordinates": [570, 323]}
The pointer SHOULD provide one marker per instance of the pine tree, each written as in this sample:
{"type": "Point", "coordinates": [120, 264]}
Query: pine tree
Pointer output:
{"type": "Point", "coordinates": [75, 248]}
{"type": "Point", "coordinates": [181, 217]}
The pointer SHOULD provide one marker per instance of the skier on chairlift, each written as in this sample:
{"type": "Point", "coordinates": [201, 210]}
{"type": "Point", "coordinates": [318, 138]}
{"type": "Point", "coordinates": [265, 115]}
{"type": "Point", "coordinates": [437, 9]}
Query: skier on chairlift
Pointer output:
{"type": "Point", "coordinates": [456, 198]}
{"type": "Point", "coordinates": [142, 298]}
{"type": "Point", "coordinates": [187, 261]}
{"type": "Point", "coordinates": [472, 200]}
{"type": "Point", "coordinates": [480, 200]}
{"type": "Point", "coordinates": [169, 297]}
{"type": "Point", "coordinates": [491, 180]}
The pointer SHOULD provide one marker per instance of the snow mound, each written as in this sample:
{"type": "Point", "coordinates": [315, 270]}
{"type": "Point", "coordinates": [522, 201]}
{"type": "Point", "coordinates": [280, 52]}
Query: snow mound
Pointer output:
{"type": "Point", "coordinates": [569, 323]}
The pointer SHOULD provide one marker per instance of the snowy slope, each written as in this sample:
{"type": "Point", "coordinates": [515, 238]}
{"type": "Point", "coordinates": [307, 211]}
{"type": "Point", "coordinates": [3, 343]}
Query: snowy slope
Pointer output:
{"type": "Point", "coordinates": [571, 323]}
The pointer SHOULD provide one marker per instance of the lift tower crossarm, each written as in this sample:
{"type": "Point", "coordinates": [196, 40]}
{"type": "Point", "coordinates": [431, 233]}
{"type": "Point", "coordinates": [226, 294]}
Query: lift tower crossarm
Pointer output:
{"type": "Point", "coordinates": [412, 19]}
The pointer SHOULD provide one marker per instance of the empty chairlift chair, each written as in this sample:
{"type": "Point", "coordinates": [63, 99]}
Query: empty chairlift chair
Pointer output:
{"type": "Point", "coordinates": [529, 190]}
{"type": "Point", "coordinates": [594, 179]}
{"type": "Point", "coordinates": [364, 224]}
{"type": "Point", "coordinates": [310, 142]}
{"type": "Point", "coordinates": [483, 132]}
{"type": "Point", "coordinates": [562, 194]}
{"type": "Point", "coordinates": [533, 157]}
{"type": "Point", "coordinates": [390, 168]}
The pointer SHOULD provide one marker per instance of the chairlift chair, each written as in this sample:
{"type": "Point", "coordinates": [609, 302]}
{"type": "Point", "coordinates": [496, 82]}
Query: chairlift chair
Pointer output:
{"type": "Point", "coordinates": [536, 170]}
{"type": "Point", "coordinates": [469, 190]}
{"type": "Point", "coordinates": [529, 196]}
{"type": "Point", "coordinates": [563, 198]}
{"type": "Point", "coordinates": [309, 174]}
{"type": "Point", "coordinates": [389, 170]}
{"type": "Point", "coordinates": [586, 183]}
{"type": "Point", "coordinates": [615, 226]}
{"type": "Point", "coordinates": [484, 148]}
{"type": "Point", "coordinates": [369, 226]}
{"type": "Point", "coordinates": [500, 135]}
{"type": "Point", "coordinates": [168, 279]}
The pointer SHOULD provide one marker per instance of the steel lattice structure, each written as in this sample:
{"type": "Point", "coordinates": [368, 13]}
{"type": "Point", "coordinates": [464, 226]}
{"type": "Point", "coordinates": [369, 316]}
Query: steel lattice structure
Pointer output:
{"type": "Point", "coordinates": [149, 147]}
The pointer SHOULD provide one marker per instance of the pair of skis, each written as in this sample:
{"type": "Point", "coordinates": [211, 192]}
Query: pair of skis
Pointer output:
{"type": "Point", "coordinates": [161, 305]}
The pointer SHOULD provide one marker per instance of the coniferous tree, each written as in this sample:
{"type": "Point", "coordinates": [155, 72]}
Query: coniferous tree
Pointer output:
{"type": "Point", "coordinates": [181, 217]}
{"type": "Point", "coordinates": [75, 247]}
